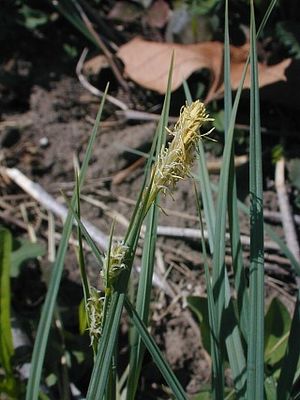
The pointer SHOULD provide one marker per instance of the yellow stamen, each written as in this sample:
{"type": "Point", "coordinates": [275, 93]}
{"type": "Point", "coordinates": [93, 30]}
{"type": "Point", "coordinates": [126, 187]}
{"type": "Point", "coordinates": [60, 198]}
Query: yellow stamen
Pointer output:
{"type": "Point", "coordinates": [174, 163]}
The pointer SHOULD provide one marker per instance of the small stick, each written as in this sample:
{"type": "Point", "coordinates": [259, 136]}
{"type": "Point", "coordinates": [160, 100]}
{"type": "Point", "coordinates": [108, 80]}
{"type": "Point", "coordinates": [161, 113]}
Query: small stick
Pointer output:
{"type": "Point", "coordinates": [103, 47]}
{"type": "Point", "coordinates": [196, 234]}
{"type": "Point", "coordinates": [12, 220]}
{"type": "Point", "coordinates": [92, 89]}
{"type": "Point", "coordinates": [212, 166]}
{"type": "Point", "coordinates": [47, 201]}
{"type": "Point", "coordinates": [276, 216]}
{"type": "Point", "coordinates": [136, 115]}
{"type": "Point", "coordinates": [286, 213]}
{"type": "Point", "coordinates": [285, 209]}
{"type": "Point", "coordinates": [124, 173]}
{"type": "Point", "coordinates": [41, 196]}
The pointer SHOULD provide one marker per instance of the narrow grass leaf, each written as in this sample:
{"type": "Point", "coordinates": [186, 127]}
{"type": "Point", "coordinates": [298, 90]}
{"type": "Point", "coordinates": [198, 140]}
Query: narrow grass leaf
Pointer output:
{"type": "Point", "coordinates": [266, 16]}
{"type": "Point", "coordinates": [231, 333]}
{"type": "Point", "coordinates": [219, 272]}
{"type": "Point", "coordinates": [217, 373]}
{"type": "Point", "coordinates": [153, 349]}
{"type": "Point", "coordinates": [82, 267]}
{"type": "Point", "coordinates": [233, 217]}
{"type": "Point", "coordinates": [230, 325]}
{"type": "Point", "coordinates": [235, 351]}
{"type": "Point", "coordinates": [220, 278]}
{"type": "Point", "coordinates": [83, 274]}
{"type": "Point", "coordinates": [255, 359]}
{"type": "Point", "coordinates": [143, 301]}
{"type": "Point", "coordinates": [111, 390]}
{"type": "Point", "coordinates": [206, 193]}
{"type": "Point", "coordinates": [48, 308]}
{"type": "Point", "coordinates": [83, 231]}
{"type": "Point", "coordinates": [209, 211]}
{"type": "Point", "coordinates": [147, 268]}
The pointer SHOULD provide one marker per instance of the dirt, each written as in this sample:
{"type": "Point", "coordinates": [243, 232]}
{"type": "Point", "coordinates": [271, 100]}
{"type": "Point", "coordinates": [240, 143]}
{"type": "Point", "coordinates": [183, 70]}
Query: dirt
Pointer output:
{"type": "Point", "coordinates": [42, 141]}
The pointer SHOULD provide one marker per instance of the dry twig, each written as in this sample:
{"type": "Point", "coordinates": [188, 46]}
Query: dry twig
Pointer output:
{"type": "Point", "coordinates": [213, 167]}
{"type": "Point", "coordinates": [286, 213]}
{"type": "Point", "coordinates": [191, 233]}
{"type": "Point", "coordinates": [102, 46]}
{"type": "Point", "coordinates": [285, 209]}
{"type": "Point", "coordinates": [92, 89]}
{"type": "Point", "coordinates": [47, 201]}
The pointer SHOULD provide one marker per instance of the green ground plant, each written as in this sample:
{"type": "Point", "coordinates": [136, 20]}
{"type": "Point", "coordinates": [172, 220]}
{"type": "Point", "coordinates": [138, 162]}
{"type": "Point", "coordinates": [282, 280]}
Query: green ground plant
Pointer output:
{"type": "Point", "coordinates": [7, 381]}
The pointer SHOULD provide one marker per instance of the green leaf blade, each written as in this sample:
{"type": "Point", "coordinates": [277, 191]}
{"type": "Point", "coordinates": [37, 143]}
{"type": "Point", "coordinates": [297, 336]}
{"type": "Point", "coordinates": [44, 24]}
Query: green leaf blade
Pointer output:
{"type": "Point", "coordinates": [166, 371]}
{"type": "Point", "coordinates": [255, 359]}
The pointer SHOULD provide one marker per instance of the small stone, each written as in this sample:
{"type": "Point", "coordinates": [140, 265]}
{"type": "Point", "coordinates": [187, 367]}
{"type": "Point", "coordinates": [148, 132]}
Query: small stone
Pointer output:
{"type": "Point", "coordinates": [44, 141]}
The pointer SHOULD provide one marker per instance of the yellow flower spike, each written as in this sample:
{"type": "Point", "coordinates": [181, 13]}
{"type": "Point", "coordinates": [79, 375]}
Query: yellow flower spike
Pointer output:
{"type": "Point", "coordinates": [174, 163]}
{"type": "Point", "coordinates": [114, 265]}
{"type": "Point", "coordinates": [95, 314]}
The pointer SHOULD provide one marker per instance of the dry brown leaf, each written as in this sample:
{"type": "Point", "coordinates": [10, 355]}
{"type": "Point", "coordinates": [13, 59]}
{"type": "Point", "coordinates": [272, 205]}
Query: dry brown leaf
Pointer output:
{"type": "Point", "coordinates": [147, 63]}
{"type": "Point", "coordinates": [268, 74]}
{"type": "Point", "coordinates": [95, 65]}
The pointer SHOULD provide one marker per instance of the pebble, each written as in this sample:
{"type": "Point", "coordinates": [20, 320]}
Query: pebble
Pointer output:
{"type": "Point", "coordinates": [44, 141]}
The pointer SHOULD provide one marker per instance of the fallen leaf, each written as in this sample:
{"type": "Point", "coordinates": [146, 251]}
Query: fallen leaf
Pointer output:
{"type": "Point", "coordinates": [95, 65]}
{"type": "Point", "coordinates": [239, 54]}
{"type": "Point", "coordinates": [147, 63]}
{"type": "Point", "coordinates": [268, 74]}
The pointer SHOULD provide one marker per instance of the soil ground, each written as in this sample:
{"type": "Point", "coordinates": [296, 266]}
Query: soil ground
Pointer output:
{"type": "Point", "coordinates": [48, 122]}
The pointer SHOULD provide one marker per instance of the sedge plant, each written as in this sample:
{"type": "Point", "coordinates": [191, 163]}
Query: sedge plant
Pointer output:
{"type": "Point", "coordinates": [173, 163]}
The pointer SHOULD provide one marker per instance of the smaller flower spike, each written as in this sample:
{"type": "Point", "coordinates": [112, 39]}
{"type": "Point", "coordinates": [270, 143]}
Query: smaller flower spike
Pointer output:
{"type": "Point", "coordinates": [95, 315]}
{"type": "Point", "coordinates": [113, 264]}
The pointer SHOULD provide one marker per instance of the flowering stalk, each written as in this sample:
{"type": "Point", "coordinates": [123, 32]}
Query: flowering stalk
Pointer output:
{"type": "Point", "coordinates": [174, 162]}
